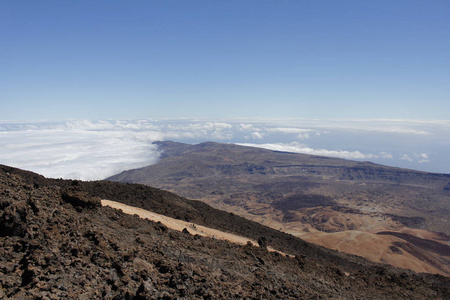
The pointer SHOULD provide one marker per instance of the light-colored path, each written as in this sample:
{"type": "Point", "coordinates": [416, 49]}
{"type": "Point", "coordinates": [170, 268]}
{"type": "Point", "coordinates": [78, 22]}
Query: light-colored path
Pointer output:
{"type": "Point", "coordinates": [179, 225]}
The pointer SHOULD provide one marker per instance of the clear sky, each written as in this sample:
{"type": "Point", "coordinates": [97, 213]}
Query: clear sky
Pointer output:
{"type": "Point", "coordinates": [224, 59]}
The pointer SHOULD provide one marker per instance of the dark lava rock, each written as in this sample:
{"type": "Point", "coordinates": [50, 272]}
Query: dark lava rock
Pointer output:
{"type": "Point", "coordinates": [80, 199]}
{"type": "Point", "coordinates": [395, 250]}
{"type": "Point", "coordinates": [57, 242]}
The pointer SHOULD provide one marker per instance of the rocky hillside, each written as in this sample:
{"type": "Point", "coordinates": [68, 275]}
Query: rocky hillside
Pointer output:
{"type": "Point", "coordinates": [57, 241]}
{"type": "Point", "coordinates": [385, 214]}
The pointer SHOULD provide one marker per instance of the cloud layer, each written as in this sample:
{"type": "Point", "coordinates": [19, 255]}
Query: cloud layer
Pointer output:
{"type": "Point", "coordinates": [92, 150]}
{"type": "Point", "coordinates": [296, 147]}
{"type": "Point", "coordinates": [95, 150]}
{"type": "Point", "coordinates": [78, 153]}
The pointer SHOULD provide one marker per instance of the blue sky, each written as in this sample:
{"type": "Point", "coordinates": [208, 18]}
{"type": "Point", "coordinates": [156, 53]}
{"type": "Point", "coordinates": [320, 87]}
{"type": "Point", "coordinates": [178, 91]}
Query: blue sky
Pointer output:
{"type": "Point", "coordinates": [365, 80]}
{"type": "Point", "coordinates": [224, 59]}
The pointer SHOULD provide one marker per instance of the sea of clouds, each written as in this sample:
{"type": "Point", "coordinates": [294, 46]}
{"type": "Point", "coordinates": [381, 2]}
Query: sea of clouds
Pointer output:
{"type": "Point", "coordinates": [91, 150]}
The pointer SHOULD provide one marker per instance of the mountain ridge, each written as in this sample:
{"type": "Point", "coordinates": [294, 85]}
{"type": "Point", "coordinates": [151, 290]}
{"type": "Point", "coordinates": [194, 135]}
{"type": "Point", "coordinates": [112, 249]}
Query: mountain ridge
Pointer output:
{"type": "Point", "coordinates": [174, 149]}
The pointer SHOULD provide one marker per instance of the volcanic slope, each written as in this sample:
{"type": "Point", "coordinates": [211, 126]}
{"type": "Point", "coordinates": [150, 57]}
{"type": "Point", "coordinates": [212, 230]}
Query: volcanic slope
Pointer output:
{"type": "Point", "coordinates": [386, 214]}
{"type": "Point", "coordinates": [58, 242]}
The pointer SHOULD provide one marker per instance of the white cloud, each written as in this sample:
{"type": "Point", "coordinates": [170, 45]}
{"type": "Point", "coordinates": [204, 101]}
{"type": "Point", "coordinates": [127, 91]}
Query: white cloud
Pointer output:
{"type": "Point", "coordinates": [299, 148]}
{"type": "Point", "coordinates": [245, 127]}
{"type": "Point", "coordinates": [385, 155]}
{"type": "Point", "coordinates": [257, 135]}
{"type": "Point", "coordinates": [423, 157]}
{"type": "Point", "coordinates": [187, 129]}
{"type": "Point", "coordinates": [407, 157]}
{"type": "Point", "coordinates": [288, 130]}
{"type": "Point", "coordinates": [402, 127]}
{"type": "Point", "coordinates": [303, 136]}
{"type": "Point", "coordinates": [302, 133]}
{"type": "Point", "coordinates": [416, 157]}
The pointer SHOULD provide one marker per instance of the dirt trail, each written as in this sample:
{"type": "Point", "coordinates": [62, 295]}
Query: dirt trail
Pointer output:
{"type": "Point", "coordinates": [179, 225]}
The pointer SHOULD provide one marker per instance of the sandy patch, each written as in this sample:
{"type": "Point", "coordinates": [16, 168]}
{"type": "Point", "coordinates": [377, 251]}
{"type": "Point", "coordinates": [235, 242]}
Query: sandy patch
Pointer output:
{"type": "Point", "coordinates": [179, 225]}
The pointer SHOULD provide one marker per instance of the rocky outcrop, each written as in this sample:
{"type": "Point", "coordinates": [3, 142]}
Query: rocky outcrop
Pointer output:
{"type": "Point", "coordinates": [80, 199]}
{"type": "Point", "coordinates": [447, 187]}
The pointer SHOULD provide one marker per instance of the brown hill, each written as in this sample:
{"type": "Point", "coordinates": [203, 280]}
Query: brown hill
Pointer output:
{"type": "Point", "coordinates": [337, 203]}
{"type": "Point", "coordinates": [57, 241]}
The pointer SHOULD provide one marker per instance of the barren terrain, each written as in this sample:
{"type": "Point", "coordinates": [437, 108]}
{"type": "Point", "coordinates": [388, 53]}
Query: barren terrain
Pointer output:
{"type": "Point", "coordinates": [58, 242]}
{"type": "Point", "coordinates": [340, 204]}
